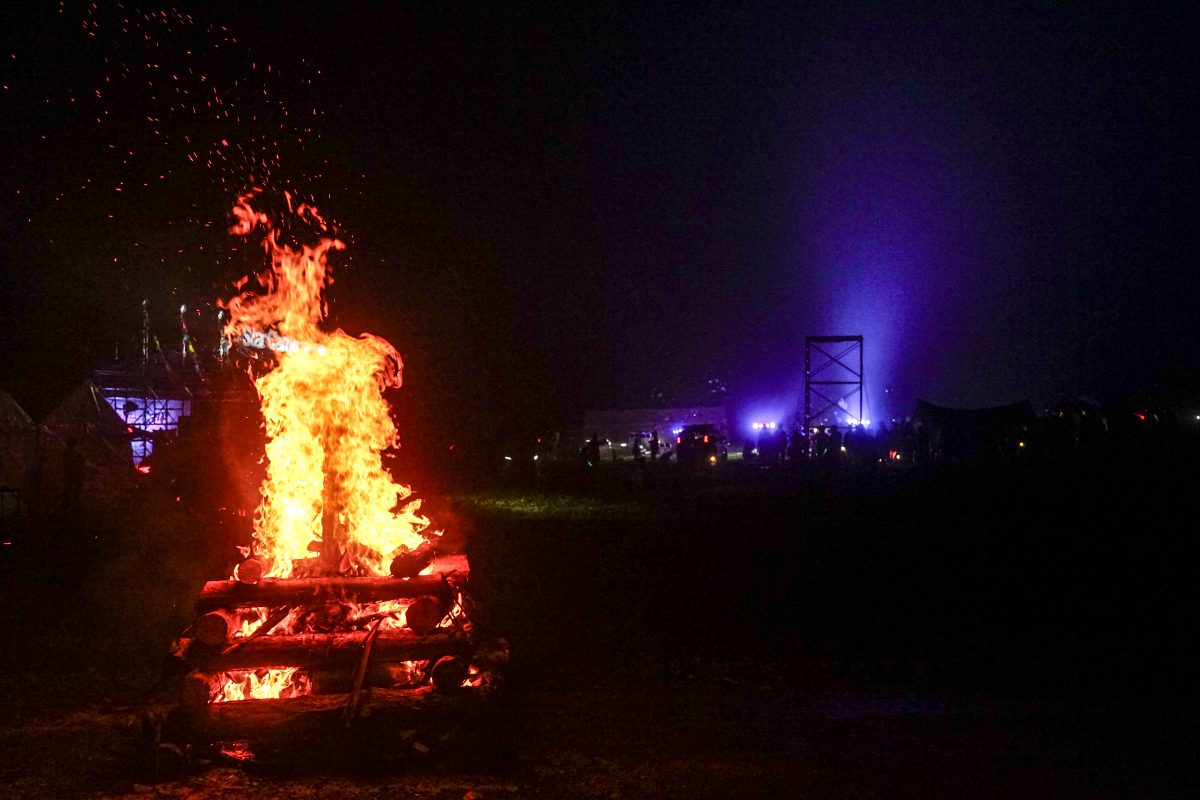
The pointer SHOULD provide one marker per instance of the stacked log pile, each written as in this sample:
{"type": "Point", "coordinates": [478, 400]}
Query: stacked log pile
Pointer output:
{"type": "Point", "coordinates": [430, 668]}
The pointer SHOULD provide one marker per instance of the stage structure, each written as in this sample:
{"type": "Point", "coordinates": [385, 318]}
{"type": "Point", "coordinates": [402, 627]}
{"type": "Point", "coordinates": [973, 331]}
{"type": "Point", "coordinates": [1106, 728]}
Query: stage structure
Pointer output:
{"type": "Point", "coordinates": [153, 394]}
{"type": "Point", "coordinates": [833, 381]}
{"type": "Point", "coordinates": [149, 398]}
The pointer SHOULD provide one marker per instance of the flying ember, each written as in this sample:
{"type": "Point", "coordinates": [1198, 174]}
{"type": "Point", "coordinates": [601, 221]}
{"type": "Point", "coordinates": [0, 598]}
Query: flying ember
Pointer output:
{"type": "Point", "coordinates": [328, 505]}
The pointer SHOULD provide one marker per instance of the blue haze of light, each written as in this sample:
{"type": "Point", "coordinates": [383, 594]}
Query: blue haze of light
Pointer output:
{"type": "Point", "coordinates": [989, 198]}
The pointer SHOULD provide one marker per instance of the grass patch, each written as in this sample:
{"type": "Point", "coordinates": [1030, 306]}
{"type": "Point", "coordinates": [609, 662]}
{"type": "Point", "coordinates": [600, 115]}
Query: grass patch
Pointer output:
{"type": "Point", "coordinates": [554, 506]}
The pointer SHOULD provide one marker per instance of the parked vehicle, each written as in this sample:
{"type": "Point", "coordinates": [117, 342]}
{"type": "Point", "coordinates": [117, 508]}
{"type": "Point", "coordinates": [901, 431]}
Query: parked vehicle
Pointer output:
{"type": "Point", "coordinates": [700, 445]}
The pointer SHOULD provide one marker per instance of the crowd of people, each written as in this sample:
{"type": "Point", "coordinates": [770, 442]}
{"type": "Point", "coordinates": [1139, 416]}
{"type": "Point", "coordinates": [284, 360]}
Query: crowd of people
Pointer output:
{"type": "Point", "coordinates": [1059, 433]}
{"type": "Point", "coordinates": [853, 444]}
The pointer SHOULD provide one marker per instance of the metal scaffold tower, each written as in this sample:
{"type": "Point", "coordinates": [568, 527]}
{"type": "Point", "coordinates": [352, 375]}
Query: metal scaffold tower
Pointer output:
{"type": "Point", "coordinates": [833, 380]}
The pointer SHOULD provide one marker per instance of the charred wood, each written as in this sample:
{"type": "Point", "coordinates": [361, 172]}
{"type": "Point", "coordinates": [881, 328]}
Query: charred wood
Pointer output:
{"type": "Point", "coordinates": [407, 565]}
{"type": "Point", "coordinates": [341, 681]}
{"type": "Point", "coordinates": [274, 618]}
{"type": "Point", "coordinates": [249, 571]}
{"type": "Point", "coordinates": [213, 628]}
{"type": "Point", "coordinates": [352, 701]}
{"type": "Point", "coordinates": [448, 674]}
{"type": "Point", "coordinates": [425, 613]}
{"type": "Point", "coordinates": [327, 651]}
{"type": "Point", "coordinates": [317, 717]}
{"type": "Point", "coordinates": [310, 591]}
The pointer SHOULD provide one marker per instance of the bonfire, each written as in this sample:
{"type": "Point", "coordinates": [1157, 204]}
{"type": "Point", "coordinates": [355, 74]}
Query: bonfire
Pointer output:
{"type": "Point", "coordinates": [344, 587]}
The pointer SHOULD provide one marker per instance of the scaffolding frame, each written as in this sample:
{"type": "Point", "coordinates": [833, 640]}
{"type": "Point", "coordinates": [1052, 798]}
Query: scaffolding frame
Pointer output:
{"type": "Point", "coordinates": [842, 381]}
{"type": "Point", "coordinates": [149, 398]}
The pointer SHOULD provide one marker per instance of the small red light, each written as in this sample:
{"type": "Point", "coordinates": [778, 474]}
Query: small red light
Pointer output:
{"type": "Point", "coordinates": [706, 438]}
{"type": "Point", "coordinates": [144, 469]}
{"type": "Point", "coordinates": [678, 440]}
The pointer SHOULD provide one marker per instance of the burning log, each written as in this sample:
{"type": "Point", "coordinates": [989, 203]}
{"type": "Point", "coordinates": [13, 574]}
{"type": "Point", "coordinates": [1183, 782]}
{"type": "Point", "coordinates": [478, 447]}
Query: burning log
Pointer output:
{"type": "Point", "coordinates": [425, 613]}
{"type": "Point", "coordinates": [327, 651]}
{"type": "Point", "coordinates": [331, 529]}
{"type": "Point", "coordinates": [275, 726]}
{"type": "Point", "coordinates": [312, 591]}
{"type": "Point", "coordinates": [341, 681]}
{"type": "Point", "coordinates": [213, 629]}
{"type": "Point", "coordinates": [448, 674]}
{"type": "Point", "coordinates": [360, 674]}
{"type": "Point", "coordinates": [327, 425]}
{"type": "Point", "coordinates": [249, 571]}
{"type": "Point", "coordinates": [407, 565]}
{"type": "Point", "coordinates": [276, 616]}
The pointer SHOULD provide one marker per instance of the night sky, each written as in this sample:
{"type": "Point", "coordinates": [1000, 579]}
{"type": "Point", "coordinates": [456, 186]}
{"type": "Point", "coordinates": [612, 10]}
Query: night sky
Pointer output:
{"type": "Point", "coordinates": [551, 209]}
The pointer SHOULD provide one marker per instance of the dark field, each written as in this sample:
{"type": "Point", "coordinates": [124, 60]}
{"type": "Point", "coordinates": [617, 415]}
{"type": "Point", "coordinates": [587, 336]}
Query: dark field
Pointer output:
{"type": "Point", "coordinates": [967, 632]}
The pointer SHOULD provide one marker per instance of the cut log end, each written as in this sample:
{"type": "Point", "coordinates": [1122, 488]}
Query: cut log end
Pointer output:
{"type": "Point", "coordinates": [449, 674]}
{"type": "Point", "coordinates": [424, 614]}
{"type": "Point", "coordinates": [249, 571]}
{"type": "Point", "coordinates": [213, 629]}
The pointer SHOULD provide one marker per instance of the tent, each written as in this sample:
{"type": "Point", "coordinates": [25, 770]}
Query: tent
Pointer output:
{"type": "Point", "coordinates": [12, 416]}
{"type": "Point", "coordinates": [18, 445]}
{"type": "Point", "coordinates": [956, 434]}
{"type": "Point", "coordinates": [83, 437]}
{"type": "Point", "coordinates": [997, 416]}
{"type": "Point", "coordinates": [85, 412]}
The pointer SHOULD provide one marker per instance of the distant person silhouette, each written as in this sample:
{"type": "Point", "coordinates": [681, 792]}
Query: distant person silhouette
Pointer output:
{"type": "Point", "coordinates": [794, 450]}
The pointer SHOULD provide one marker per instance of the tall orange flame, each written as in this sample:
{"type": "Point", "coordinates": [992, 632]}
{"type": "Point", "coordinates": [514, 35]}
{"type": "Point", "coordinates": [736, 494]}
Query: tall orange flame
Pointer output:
{"type": "Point", "coordinates": [327, 422]}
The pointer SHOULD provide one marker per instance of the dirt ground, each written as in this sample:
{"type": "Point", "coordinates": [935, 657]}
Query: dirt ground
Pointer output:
{"type": "Point", "coordinates": [1023, 633]}
{"type": "Point", "coordinates": [680, 735]}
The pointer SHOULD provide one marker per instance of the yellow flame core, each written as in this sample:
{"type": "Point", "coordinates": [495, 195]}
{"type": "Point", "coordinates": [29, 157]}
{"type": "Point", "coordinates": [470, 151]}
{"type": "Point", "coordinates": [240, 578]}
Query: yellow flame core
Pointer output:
{"type": "Point", "coordinates": [327, 422]}
{"type": "Point", "coordinates": [260, 684]}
